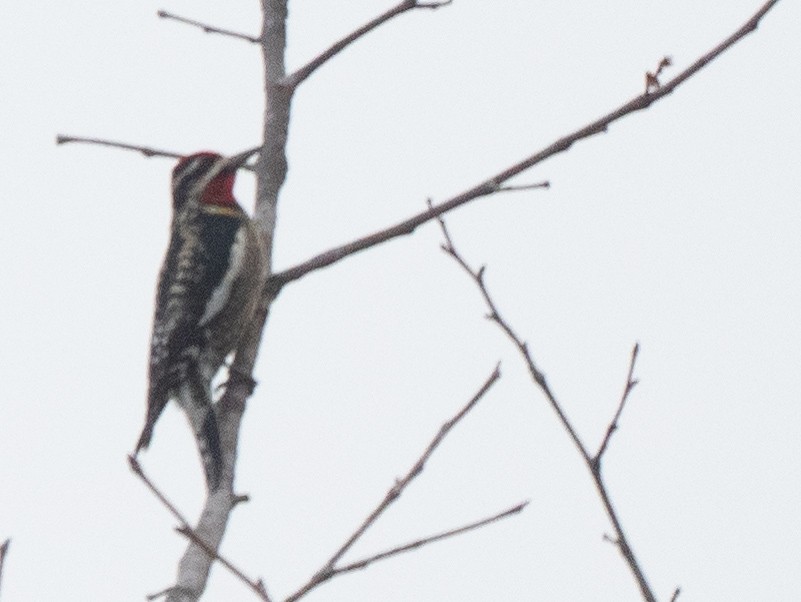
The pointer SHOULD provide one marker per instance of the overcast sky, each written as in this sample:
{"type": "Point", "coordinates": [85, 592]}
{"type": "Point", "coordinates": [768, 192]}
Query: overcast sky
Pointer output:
{"type": "Point", "coordinates": [678, 228]}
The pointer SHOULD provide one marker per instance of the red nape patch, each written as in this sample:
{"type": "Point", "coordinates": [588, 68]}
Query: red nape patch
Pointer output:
{"type": "Point", "coordinates": [220, 191]}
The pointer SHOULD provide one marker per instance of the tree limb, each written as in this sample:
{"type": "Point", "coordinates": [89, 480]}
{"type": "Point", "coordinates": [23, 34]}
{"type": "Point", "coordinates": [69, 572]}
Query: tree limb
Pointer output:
{"type": "Point", "coordinates": [491, 185]}
{"type": "Point", "coordinates": [538, 377]}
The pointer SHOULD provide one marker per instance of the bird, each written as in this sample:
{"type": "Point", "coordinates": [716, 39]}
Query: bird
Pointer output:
{"type": "Point", "coordinates": [208, 291]}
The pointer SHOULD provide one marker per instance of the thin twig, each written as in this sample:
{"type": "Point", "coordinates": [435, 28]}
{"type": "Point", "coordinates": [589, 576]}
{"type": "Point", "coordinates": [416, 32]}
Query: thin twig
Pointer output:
{"type": "Point", "coordinates": [293, 80]}
{"type": "Point", "coordinates": [327, 573]}
{"type": "Point", "coordinates": [329, 569]}
{"type": "Point", "coordinates": [490, 186]}
{"type": "Point", "coordinates": [494, 315]}
{"type": "Point", "coordinates": [675, 595]}
{"type": "Point", "coordinates": [620, 539]}
{"type": "Point", "coordinates": [146, 151]}
{"type": "Point", "coordinates": [163, 14]}
{"type": "Point", "coordinates": [401, 484]}
{"type": "Point", "coordinates": [136, 468]}
{"type": "Point", "coordinates": [187, 531]}
{"type": "Point", "coordinates": [360, 564]}
{"type": "Point", "coordinates": [631, 382]}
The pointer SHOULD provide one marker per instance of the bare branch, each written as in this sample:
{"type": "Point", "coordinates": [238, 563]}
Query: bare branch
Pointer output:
{"type": "Point", "coordinates": [360, 564]}
{"type": "Point", "coordinates": [137, 470]}
{"type": "Point", "coordinates": [330, 569]}
{"type": "Point", "coordinates": [186, 530]}
{"type": "Point", "coordinates": [620, 539]}
{"type": "Point", "coordinates": [631, 382]}
{"type": "Point", "coordinates": [491, 185]}
{"type": "Point", "coordinates": [675, 595]}
{"type": "Point", "coordinates": [163, 14]}
{"type": "Point", "coordinates": [494, 315]}
{"type": "Point", "coordinates": [400, 485]}
{"type": "Point", "coordinates": [146, 151]}
{"type": "Point", "coordinates": [293, 80]}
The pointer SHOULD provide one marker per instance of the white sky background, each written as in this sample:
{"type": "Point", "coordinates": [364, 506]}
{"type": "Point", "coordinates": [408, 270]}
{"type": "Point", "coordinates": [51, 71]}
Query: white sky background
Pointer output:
{"type": "Point", "coordinates": [679, 228]}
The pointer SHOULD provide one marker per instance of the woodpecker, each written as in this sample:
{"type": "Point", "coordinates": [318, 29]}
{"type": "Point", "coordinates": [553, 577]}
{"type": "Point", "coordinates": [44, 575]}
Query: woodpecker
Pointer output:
{"type": "Point", "coordinates": [207, 293]}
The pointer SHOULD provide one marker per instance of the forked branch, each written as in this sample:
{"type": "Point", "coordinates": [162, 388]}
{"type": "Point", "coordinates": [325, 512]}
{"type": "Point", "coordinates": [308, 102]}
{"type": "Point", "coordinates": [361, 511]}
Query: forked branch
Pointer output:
{"type": "Point", "coordinates": [330, 568]}
{"type": "Point", "coordinates": [395, 491]}
{"type": "Point", "coordinates": [593, 463]}
{"type": "Point", "coordinates": [631, 382]}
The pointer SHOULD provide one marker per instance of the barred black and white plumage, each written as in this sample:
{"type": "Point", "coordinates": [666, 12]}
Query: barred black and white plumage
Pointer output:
{"type": "Point", "coordinates": [207, 293]}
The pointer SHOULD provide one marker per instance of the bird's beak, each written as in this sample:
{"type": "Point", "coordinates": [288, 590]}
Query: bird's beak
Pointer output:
{"type": "Point", "coordinates": [237, 161]}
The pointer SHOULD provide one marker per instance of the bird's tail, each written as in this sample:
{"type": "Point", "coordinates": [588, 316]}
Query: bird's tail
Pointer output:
{"type": "Point", "coordinates": [155, 405]}
{"type": "Point", "coordinates": [144, 438]}
{"type": "Point", "coordinates": [195, 400]}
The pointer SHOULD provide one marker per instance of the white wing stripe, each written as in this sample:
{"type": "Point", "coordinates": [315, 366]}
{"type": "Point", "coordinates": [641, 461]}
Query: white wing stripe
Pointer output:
{"type": "Point", "coordinates": [219, 297]}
